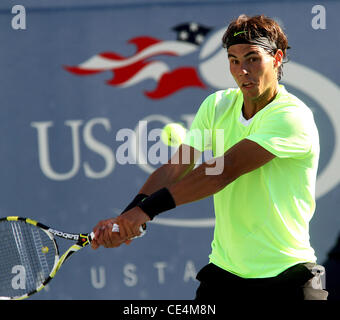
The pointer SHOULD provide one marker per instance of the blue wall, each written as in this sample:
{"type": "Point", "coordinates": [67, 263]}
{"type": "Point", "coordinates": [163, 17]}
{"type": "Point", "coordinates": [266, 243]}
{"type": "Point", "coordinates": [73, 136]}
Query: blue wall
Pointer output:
{"type": "Point", "coordinates": [71, 184]}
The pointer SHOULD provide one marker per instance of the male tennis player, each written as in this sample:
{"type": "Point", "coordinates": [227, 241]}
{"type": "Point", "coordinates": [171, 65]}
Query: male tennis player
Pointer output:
{"type": "Point", "coordinates": [263, 181]}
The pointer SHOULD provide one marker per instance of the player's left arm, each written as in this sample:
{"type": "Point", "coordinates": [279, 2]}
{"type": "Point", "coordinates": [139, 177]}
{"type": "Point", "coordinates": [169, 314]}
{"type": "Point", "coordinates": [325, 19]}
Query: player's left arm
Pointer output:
{"type": "Point", "coordinates": [211, 177]}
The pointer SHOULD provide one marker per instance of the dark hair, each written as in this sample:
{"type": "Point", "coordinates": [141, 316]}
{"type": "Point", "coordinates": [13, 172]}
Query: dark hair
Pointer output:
{"type": "Point", "coordinates": [259, 26]}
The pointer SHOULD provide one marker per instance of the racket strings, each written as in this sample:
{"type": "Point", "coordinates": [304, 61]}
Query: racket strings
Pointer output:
{"type": "Point", "coordinates": [23, 250]}
{"type": "Point", "coordinates": [27, 256]}
{"type": "Point", "coordinates": [41, 252]}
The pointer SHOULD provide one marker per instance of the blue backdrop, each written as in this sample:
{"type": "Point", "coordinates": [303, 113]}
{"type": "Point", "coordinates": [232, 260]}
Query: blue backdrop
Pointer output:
{"type": "Point", "coordinates": [81, 82]}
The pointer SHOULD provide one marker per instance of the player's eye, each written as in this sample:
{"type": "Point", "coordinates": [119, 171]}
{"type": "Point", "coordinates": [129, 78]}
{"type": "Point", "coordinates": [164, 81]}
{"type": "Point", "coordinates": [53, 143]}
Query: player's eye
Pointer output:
{"type": "Point", "coordinates": [253, 59]}
{"type": "Point", "coordinates": [233, 61]}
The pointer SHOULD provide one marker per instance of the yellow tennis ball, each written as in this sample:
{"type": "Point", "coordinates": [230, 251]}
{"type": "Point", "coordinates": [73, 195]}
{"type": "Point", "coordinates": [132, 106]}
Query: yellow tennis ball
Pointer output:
{"type": "Point", "coordinates": [44, 249]}
{"type": "Point", "coordinates": [173, 134]}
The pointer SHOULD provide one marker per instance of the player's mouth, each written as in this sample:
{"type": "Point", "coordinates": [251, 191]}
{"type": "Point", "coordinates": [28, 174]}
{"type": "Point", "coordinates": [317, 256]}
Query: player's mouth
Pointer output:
{"type": "Point", "coordinates": [248, 84]}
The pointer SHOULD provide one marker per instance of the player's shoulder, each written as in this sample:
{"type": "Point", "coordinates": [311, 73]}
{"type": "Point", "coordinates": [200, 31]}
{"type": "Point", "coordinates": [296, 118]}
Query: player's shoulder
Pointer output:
{"type": "Point", "coordinates": [226, 94]}
{"type": "Point", "coordinates": [222, 99]}
{"type": "Point", "coordinates": [288, 102]}
{"type": "Point", "coordinates": [287, 109]}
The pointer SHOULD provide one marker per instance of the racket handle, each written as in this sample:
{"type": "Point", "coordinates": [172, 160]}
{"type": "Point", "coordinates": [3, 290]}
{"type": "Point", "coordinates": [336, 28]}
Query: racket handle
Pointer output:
{"type": "Point", "coordinates": [142, 230]}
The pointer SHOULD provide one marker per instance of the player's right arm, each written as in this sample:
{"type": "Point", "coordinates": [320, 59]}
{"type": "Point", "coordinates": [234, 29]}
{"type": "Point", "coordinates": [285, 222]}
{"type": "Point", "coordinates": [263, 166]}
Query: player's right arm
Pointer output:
{"type": "Point", "coordinates": [180, 164]}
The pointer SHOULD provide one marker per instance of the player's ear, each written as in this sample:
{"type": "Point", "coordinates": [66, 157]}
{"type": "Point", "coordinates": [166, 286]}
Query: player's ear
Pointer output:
{"type": "Point", "coordinates": [278, 57]}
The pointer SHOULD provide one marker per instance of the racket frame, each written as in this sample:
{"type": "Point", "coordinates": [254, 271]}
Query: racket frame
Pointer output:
{"type": "Point", "coordinates": [82, 240]}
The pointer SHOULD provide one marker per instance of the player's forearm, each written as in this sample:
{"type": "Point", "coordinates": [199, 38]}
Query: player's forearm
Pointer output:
{"type": "Point", "coordinates": [206, 180]}
{"type": "Point", "coordinates": [182, 162]}
{"type": "Point", "coordinates": [164, 177]}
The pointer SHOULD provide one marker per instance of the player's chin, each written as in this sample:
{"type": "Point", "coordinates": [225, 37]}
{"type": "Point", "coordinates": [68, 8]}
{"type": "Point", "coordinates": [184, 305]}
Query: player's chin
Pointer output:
{"type": "Point", "coordinates": [251, 91]}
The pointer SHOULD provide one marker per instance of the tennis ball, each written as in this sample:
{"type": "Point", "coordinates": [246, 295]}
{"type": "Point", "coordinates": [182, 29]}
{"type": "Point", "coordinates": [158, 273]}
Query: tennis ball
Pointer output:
{"type": "Point", "coordinates": [44, 249]}
{"type": "Point", "coordinates": [173, 134]}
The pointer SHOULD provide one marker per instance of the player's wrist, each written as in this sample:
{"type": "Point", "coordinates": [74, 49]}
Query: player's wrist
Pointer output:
{"type": "Point", "coordinates": [139, 197]}
{"type": "Point", "coordinates": [157, 203]}
{"type": "Point", "coordinates": [144, 217]}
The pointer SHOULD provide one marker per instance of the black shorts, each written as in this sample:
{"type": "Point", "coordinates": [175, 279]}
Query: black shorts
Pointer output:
{"type": "Point", "coordinates": [294, 284]}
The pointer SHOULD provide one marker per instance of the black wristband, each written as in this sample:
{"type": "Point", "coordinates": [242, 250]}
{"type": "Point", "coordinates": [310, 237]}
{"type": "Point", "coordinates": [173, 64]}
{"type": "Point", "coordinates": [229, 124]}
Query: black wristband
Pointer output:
{"type": "Point", "coordinates": [139, 197]}
{"type": "Point", "coordinates": [157, 203]}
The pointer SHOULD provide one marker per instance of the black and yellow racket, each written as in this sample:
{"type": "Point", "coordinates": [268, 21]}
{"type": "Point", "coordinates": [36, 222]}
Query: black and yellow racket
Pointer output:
{"type": "Point", "coordinates": [29, 255]}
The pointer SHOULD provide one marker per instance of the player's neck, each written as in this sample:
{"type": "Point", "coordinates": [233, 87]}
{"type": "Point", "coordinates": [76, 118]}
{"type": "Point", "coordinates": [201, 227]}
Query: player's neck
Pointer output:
{"type": "Point", "coordinates": [253, 105]}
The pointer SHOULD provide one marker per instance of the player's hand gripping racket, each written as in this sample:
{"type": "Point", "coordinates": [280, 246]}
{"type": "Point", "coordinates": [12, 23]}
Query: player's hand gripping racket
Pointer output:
{"type": "Point", "coordinates": [29, 255]}
{"type": "Point", "coordinates": [142, 230]}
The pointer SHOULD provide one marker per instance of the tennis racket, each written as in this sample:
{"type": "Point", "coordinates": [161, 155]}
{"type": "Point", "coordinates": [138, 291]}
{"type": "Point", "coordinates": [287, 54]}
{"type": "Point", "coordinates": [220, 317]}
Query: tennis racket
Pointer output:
{"type": "Point", "coordinates": [29, 255]}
